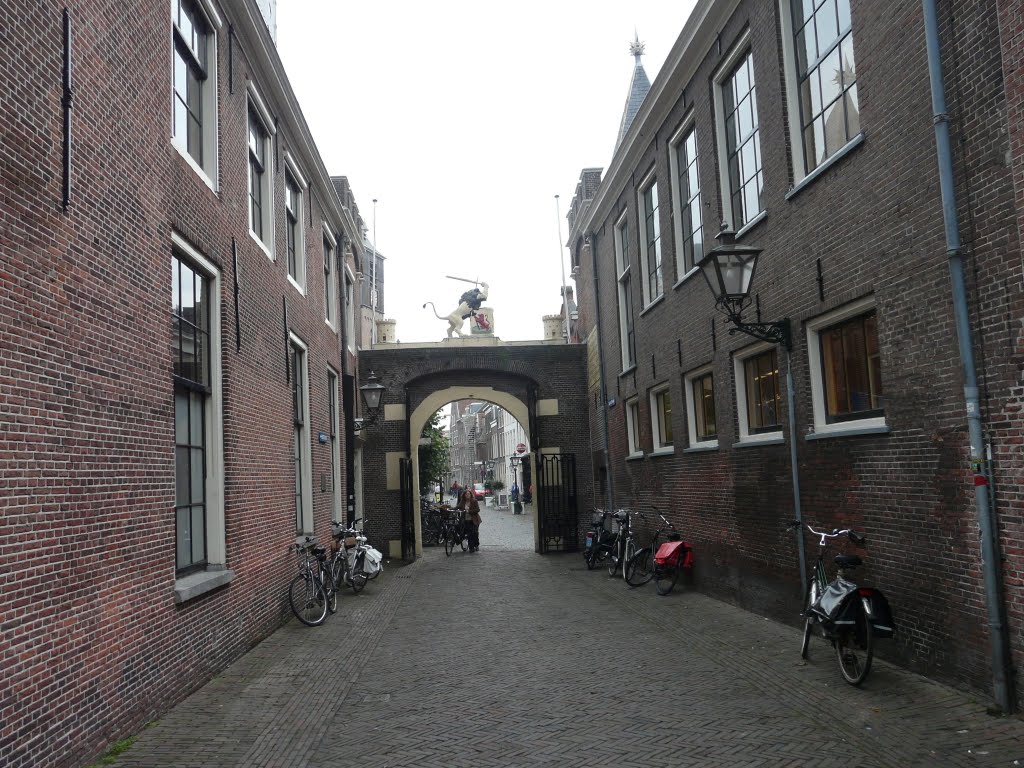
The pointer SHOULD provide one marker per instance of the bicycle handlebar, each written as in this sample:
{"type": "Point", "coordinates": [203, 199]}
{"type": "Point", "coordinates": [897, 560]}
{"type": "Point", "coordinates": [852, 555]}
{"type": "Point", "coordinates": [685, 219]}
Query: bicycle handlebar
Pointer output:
{"type": "Point", "coordinates": [855, 537]}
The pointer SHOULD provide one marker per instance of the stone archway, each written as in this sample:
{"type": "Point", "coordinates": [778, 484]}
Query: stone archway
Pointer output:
{"type": "Point", "coordinates": [429, 406]}
{"type": "Point", "coordinates": [542, 385]}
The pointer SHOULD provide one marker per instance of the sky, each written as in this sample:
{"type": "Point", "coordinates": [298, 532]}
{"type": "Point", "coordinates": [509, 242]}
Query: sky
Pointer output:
{"type": "Point", "coordinates": [464, 120]}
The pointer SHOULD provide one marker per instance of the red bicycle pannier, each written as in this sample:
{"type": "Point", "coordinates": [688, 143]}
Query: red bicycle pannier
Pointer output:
{"type": "Point", "coordinates": [670, 553]}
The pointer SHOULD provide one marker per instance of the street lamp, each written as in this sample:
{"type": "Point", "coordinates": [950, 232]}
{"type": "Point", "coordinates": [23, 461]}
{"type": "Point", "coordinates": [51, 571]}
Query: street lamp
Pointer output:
{"type": "Point", "coordinates": [729, 270]}
{"type": "Point", "coordinates": [372, 392]}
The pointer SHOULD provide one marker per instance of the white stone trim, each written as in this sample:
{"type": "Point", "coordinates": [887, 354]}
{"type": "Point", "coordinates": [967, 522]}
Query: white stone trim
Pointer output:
{"type": "Point", "coordinates": [739, 376]}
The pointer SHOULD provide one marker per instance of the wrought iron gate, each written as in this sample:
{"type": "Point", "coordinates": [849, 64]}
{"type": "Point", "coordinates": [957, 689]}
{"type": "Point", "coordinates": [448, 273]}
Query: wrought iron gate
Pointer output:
{"type": "Point", "coordinates": [407, 505]}
{"type": "Point", "coordinates": [556, 503]}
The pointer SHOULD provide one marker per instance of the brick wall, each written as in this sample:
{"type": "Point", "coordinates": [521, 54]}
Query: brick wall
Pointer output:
{"type": "Point", "coordinates": [873, 221]}
{"type": "Point", "coordinates": [93, 644]}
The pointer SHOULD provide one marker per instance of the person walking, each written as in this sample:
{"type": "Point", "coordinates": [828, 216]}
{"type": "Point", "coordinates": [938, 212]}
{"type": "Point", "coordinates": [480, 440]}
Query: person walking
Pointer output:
{"type": "Point", "coordinates": [471, 517]}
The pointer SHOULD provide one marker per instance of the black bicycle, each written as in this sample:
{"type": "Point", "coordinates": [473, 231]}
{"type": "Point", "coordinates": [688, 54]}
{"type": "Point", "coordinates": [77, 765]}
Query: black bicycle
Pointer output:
{"type": "Point", "coordinates": [599, 540]}
{"type": "Point", "coordinates": [640, 567]}
{"type": "Point", "coordinates": [846, 614]}
{"type": "Point", "coordinates": [624, 545]}
{"type": "Point", "coordinates": [312, 593]}
{"type": "Point", "coordinates": [455, 532]}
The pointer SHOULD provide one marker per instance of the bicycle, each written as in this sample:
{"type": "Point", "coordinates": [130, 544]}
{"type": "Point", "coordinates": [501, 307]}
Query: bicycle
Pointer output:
{"type": "Point", "coordinates": [624, 546]}
{"type": "Point", "coordinates": [310, 594]}
{"type": "Point", "coordinates": [847, 615]}
{"type": "Point", "coordinates": [599, 540]}
{"type": "Point", "coordinates": [455, 532]}
{"type": "Point", "coordinates": [640, 567]}
{"type": "Point", "coordinates": [346, 558]}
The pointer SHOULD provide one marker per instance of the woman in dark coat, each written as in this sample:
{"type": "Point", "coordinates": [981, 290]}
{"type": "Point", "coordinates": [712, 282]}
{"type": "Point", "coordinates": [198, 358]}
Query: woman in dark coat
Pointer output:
{"type": "Point", "coordinates": [471, 517]}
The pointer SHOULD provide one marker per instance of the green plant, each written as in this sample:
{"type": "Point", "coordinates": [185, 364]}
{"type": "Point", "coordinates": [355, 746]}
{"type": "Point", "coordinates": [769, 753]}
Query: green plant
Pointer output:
{"type": "Point", "coordinates": [433, 456]}
{"type": "Point", "coordinates": [497, 485]}
{"type": "Point", "coordinates": [110, 756]}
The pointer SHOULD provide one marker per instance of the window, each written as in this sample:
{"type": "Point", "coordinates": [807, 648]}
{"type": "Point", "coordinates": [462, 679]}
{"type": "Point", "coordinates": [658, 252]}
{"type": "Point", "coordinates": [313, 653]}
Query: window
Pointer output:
{"type": "Point", "coordinates": [195, 337]}
{"type": "Point", "coordinates": [301, 448]}
{"type": "Point", "coordinates": [818, 53]}
{"type": "Point", "coordinates": [699, 387]}
{"type": "Point", "coordinates": [686, 199]}
{"type": "Point", "coordinates": [260, 189]}
{"type": "Point", "coordinates": [759, 398]}
{"type": "Point", "coordinates": [661, 418]}
{"type": "Point", "coordinates": [332, 419]}
{"type": "Point", "coordinates": [740, 143]}
{"type": "Point", "coordinates": [650, 228]}
{"type": "Point", "coordinates": [293, 230]}
{"type": "Point", "coordinates": [627, 336]}
{"type": "Point", "coordinates": [330, 282]}
{"type": "Point", "coordinates": [194, 105]}
{"type": "Point", "coordinates": [846, 379]}
{"type": "Point", "coordinates": [350, 312]}
{"type": "Point", "coordinates": [633, 427]}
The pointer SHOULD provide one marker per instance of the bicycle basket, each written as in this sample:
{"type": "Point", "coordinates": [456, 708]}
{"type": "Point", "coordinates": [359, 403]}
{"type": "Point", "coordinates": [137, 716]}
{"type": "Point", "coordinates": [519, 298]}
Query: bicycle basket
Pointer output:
{"type": "Point", "coordinates": [597, 519]}
{"type": "Point", "coordinates": [350, 541]}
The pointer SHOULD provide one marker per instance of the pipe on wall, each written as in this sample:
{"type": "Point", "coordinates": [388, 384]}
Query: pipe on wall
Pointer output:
{"type": "Point", "coordinates": [1001, 674]}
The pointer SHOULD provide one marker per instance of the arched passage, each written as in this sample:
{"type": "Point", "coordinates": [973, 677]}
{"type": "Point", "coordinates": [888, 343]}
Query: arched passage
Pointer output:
{"type": "Point", "coordinates": [434, 401]}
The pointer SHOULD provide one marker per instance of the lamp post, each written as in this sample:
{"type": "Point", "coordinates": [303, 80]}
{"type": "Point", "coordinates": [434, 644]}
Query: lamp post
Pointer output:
{"type": "Point", "coordinates": [371, 392]}
{"type": "Point", "coordinates": [729, 270]}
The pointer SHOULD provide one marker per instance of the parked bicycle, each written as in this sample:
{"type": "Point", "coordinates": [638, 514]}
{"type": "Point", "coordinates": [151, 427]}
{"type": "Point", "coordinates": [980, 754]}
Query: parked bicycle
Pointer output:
{"type": "Point", "coordinates": [640, 567]}
{"type": "Point", "coordinates": [431, 523]}
{"type": "Point", "coordinates": [312, 593]}
{"type": "Point", "coordinates": [624, 546]}
{"type": "Point", "coordinates": [847, 615]}
{"type": "Point", "coordinates": [347, 558]}
{"type": "Point", "coordinates": [599, 540]}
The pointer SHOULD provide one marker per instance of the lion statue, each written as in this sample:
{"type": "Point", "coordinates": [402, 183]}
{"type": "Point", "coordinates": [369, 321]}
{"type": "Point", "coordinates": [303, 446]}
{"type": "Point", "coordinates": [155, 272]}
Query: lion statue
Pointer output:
{"type": "Point", "coordinates": [469, 303]}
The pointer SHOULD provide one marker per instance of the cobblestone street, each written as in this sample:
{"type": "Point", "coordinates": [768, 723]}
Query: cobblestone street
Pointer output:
{"type": "Point", "coordinates": [508, 658]}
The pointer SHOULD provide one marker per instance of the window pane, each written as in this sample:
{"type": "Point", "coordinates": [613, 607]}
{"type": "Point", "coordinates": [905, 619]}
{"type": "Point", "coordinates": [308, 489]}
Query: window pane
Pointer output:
{"type": "Point", "coordinates": [198, 534]}
{"type": "Point", "coordinates": [182, 475]}
{"type": "Point", "coordinates": [198, 477]}
{"type": "Point", "coordinates": [196, 432]}
{"type": "Point", "coordinates": [184, 532]}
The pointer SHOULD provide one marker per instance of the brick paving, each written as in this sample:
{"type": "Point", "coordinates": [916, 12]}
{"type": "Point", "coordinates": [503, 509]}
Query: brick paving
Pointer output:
{"type": "Point", "coordinates": [508, 658]}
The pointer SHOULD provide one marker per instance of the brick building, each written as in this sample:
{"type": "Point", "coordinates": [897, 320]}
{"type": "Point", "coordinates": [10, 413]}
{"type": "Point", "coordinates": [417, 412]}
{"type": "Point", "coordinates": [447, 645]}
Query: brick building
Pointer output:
{"type": "Point", "coordinates": [810, 131]}
{"type": "Point", "coordinates": [177, 349]}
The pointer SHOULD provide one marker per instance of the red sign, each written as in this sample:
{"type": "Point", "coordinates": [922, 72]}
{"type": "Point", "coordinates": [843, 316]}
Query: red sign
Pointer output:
{"type": "Point", "coordinates": [521, 448]}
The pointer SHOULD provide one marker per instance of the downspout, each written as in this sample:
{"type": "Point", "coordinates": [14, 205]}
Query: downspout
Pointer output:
{"type": "Point", "coordinates": [600, 362]}
{"type": "Point", "coordinates": [989, 544]}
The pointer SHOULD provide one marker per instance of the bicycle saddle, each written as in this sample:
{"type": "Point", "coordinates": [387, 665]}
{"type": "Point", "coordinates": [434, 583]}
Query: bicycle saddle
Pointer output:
{"type": "Point", "coordinates": [848, 561]}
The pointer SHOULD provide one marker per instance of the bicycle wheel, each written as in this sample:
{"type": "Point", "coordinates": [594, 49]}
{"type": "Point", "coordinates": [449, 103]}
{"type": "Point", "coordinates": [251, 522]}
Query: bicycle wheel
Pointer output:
{"type": "Point", "coordinates": [812, 597]}
{"type": "Point", "coordinates": [613, 559]}
{"type": "Point", "coordinates": [338, 572]}
{"type": "Point", "coordinates": [628, 555]}
{"type": "Point", "coordinates": [307, 599]}
{"type": "Point", "coordinates": [665, 578]}
{"type": "Point", "coordinates": [590, 557]}
{"type": "Point", "coordinates": [639, 568]}
{"type": "Point", "coordinates": [358, 577]}
{"type": "Point", "coordinates": [331, 592]}
{"type": "Point", "coordinates": [855, 648]}
{"type": "Point", "coordinates": [449, 543]}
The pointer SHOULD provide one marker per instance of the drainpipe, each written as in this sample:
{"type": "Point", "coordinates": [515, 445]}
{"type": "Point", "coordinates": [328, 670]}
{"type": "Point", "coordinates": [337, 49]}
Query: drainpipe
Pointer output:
{"type": "Point", "coordinates": [989, 544]}
{"type": "Point", "coordinates": [600, 361]}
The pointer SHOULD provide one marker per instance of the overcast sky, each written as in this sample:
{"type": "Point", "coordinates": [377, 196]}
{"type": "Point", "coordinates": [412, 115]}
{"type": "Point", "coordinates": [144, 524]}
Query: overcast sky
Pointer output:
{"type": "Point", "coordinates": [464, 120]}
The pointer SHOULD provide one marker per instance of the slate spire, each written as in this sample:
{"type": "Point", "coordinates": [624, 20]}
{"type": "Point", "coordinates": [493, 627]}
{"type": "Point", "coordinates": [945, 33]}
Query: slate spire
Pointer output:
{"type": "Point", "coordinates": [638, 88]}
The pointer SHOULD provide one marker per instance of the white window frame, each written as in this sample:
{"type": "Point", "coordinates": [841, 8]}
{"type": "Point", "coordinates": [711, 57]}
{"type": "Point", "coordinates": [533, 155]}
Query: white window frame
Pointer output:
{"type": "Point", "coordinates": [623, 271]}
{"type": "Point", "coordinates": [331, 280]}
{"type": "Point", "coordinates": [305, 440]}
{"type": "Point", "coordinates": [793, 112]}
{"type": "Point", "coordinates": [649, 182]}
{"type": "Point", "coordinates": [691, 408]}
{"type": "Point", "coordinates": [292, 171]}
{"type": "Point", "coordinates": [814, 329]}
{"type": "Point", "coordinates": [350, 309]}
{"type": "Point", "coordinates": [739, 377]}
{"type": "Point", "coordinates": [689, 126]}
{"type": "Point", "coordinates": [257, 106]}
{"type": "Point", "coordinates": [211, 127]}
{"type": "Point", "coordinates": [721, 79]}
{"type": "Point", "coordinates": [659, 442]}
{"type": "Point", "coordinates": [334, 436]}
{"type": "Point", "coordinates": [632, 408]}
{"type": "Point", "coordinates": [216, 534]}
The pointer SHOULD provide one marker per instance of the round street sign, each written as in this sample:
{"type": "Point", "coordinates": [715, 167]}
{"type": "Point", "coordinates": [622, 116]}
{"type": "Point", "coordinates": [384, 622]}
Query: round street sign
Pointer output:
{"type": "Point", "coordinates": [521, 448]}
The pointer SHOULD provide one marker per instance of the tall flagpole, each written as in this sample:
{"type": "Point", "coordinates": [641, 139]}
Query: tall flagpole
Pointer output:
{"type": "Point", "coordinates": [373, 282]}
{"type": "Point", "coordinates": [561, 263]}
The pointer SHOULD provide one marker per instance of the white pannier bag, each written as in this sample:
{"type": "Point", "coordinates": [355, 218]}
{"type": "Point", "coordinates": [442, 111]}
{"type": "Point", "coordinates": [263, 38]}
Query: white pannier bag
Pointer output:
{"type": "Point", "coordinates": [372, 561]}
